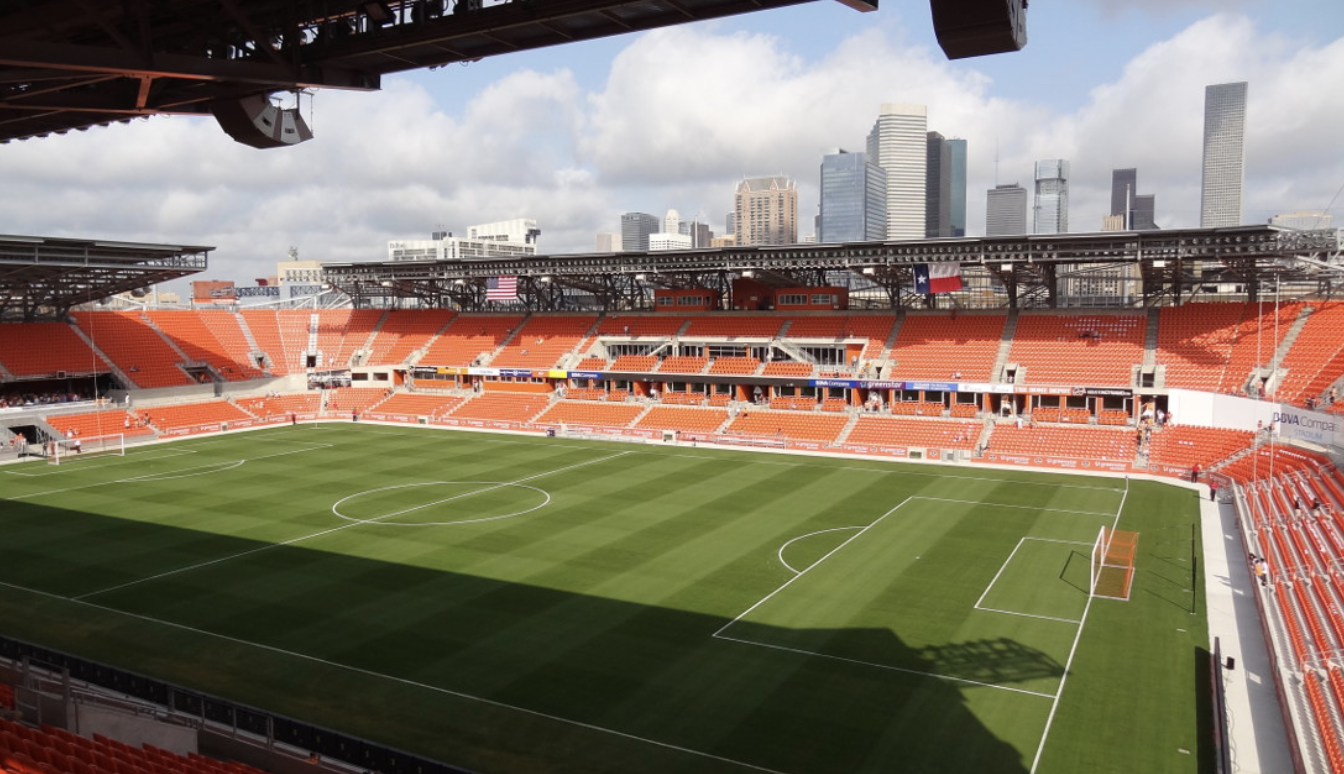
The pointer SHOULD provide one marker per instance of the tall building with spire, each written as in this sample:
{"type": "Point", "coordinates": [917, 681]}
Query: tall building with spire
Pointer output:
{"type": "Point", "coordinates": [898, 144]}
{"type": "Point", "coordinates": [766, 211]}
{"type": "Point", "coordinates": [1224, 154]}
{"type": "Point", "coordinates": [1051, 211]}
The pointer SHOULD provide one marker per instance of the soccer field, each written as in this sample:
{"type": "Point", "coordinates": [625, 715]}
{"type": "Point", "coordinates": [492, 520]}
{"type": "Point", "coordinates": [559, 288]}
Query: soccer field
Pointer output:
{"type": "Point", "coordinates": [518, 604]}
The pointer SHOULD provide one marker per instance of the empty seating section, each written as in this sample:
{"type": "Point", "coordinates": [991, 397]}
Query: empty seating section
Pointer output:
{"type": "Point", "coordinates": [264, 325]}
{"type": "Point", "coordinates": [875, 328]}
{"type": "Point", "coordinates": [342, 331]}
{"type": "Point", "coordinates": [1316, 358]}
{"type": "Point", "coordinates": [45, 349]}
{"type": "Point", "coordinates": [734, 365]}
{"type": "Point", "coordinates": [586, 393]}
{"type": "Point", "coordinates": [403, 332]}
{"type": "Point", "coordinates": [917, 408]}
{"type": "Point", "coordinates": [1194, 342]}
{"type": "Point", "coordinates": [137, 349]}
{"type": "Point", "coordinates": [504, 406]}
{"type": "Point", "coordinates": [683, 398]}
{"type": "Point", "coordinates": [823, 428]}
{"type": "Point", "coordinates": [469, 337]}
{"type": "Point", "coordinates": [212, 336]}
{"type": "Point", "coordinates": [596, 414]}
{"type": "Point", "coordinates": [683, 364]}
{"type": "Point", "coordinates": [543, 341]}
{"type": "Point", "coordinates": [691, 420]}
{"type": "Point", "coordinates": [193, 415]}
{"type": "Point", "coordinates": [99, 423]}
{"type": "Point", "coordinates": [835, 404]}
{"type": "Point", "coordinates": [1183, 446]}
{"type": "Point", "coordinates": [787, 368]}
{"type": "Point", "coordinates": [1089, 443]}
{"type": "Point", "coordinates": [734, 326]}
{"type": "Point", "coordinates": [661, 326]}
{"type": "Point", "coordinates": [50, 750]}
{"type": "Point", "coordinates": [793, 402]}
{"type": "Point", "coordinates": [1258, 336]}
{"type": "Point", "coordinates": [618, 394]}
{"type": "Point", "coordinates": [964, 410]}
{"type": "Point", "coordinates": [592, 364]}
{"type": "Point", "coordinates": [304, 404]}
{"type": "Point", "coordinates": [919, 433]}
{"type": "Point", "coordinates": [940, 347]}
{"type": "Point", "coordinates": [1112, 417]}
{"type": "Point", "coordinates": [718, 399]}
{"type": "Point", "coordinates": [344, 400]}
{"type": "Point", "coordinates": [419, 404]}
{"type": "Point", "coordinates": [635, 364]}
{"type": "Point", "coordinates": [829, 327]}
{"type": "Point", "coordinates": [1079, 349]}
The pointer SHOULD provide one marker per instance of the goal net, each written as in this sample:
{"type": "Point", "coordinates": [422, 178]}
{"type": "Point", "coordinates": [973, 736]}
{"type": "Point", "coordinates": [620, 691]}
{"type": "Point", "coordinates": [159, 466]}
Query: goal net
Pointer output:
{"type": "Point", "coordinates": [64, 450]}
{"type": "Point", "coordinates": [1113, 563]}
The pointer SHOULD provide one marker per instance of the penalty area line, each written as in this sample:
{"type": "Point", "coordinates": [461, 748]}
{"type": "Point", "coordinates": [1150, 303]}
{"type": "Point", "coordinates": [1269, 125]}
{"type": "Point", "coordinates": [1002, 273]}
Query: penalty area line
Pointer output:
{"type": "Point", "coordinates": [399, 680]}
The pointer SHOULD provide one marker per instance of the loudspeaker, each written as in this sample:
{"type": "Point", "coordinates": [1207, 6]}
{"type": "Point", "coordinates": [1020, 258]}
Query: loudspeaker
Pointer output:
{"type": "Point", "coordinates": [979, 27]}
{"type": "Point", "coordinates": [260, 123]}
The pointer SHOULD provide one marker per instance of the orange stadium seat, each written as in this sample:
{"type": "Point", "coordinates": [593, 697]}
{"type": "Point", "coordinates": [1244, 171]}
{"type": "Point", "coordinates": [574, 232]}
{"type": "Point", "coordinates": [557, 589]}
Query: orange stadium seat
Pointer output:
{"type": "Point", "coordinates": [594, 414]}
{"type": "Point", "coordinates": [683, 364]}
{"type": "Point", "coordinates": [99, 423]}
{"type": "Point", "coordinates": [45, 349]}
{"type": "Point", "coordinates": [1316, 357]}
{"type": "Point", "coordinates": [787, 368]}
{"type": "Point", "coordinates": [190, 415]}
{"type": "Point", "coordinates": [791, 426]}
{"type": "Point", "coordinates": [939, 347]}
{"type": "Point", "coordinates": [470, 337]}
{"type": "Point", "coordinates": [734, 326]}
{"type": "Point", "coordinates": [920, 433]}
{"type": "Point", "coordinates": [635, 364]}
{"type": "Point", "coordinates": [403, 332]}
{"type": "Point", "coordinates": [305, 404]}
{"type": "Point", "coordinates": [504, 406]}
{"type": "Point", "coordinates": [734, 365]}
{"type": "Point", "coordinates": [684, 418]}
{"type": "Point", "coordinates": [137, 348]}
{"type": "Point", "coordinates": [1084, 349]}
{"type": "Point", "coordinates": [543, 340]}
{"type": "Point", "coordinates": [661, 326]}
{"type": "Point", "coordinates": [212, 336]}
{"type": "Point", "coordinates": [344, 400]}
{"type": "Point", "coordinates": [1088, 443]}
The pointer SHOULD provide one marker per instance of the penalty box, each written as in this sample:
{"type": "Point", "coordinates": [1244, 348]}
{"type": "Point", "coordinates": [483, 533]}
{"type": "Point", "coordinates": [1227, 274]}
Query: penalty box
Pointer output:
{"type": "Point", "coordinates": [912, 591]}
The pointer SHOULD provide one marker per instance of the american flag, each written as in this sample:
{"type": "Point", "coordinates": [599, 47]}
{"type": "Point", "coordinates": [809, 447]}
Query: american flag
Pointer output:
{"type": "Point", "coordinates": [501, 288]}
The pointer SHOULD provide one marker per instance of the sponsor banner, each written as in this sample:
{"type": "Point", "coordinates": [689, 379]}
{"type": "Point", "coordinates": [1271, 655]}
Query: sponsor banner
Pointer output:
{"type": "Point", "coordinates": [1103, 392]}
{"type": "Point", "coordinates": [1023, 389]}
{"type": "Point", "coordinates": [580, 374]}
{"type": "Point", "coordinates": [477, 371]}
{"type": "Point", "coordinates": [832, 383]}
{"type": "Point", "coordinates": [258, 292]}
{"type": "Point", "coordinates": [882, 385]}
{"type": "Point", "coordinates": [525, 373]}
{"type": "Point", "coordinates": [554, 374]}
{"type": "Point", "coordinates": [1310, 426]}
{"type": "Point", "coordinates": [993, 387]}
{"type": "Point", "coordinates": [932, 386]}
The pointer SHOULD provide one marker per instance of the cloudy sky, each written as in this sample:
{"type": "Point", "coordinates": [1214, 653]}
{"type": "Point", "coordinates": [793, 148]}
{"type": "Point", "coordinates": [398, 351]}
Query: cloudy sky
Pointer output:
{"type": "Point", "coordinates": [575, 135]}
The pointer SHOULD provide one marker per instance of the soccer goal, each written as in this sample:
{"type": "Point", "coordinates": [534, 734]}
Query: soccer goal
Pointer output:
{"type": "Point", "coordinates": [1113, 563]}
{"type": "Point", "coordinates": [66, 449]}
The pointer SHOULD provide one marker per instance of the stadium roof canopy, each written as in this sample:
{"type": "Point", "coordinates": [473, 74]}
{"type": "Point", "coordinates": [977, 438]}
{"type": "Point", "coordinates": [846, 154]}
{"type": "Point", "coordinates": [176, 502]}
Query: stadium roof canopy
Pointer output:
{"type": "Point", "coordinates": [75, 64]}
{"type": "Point", "coordinates": [1158, 267]}
{"type": "Point", "coordinates": [43, 277]}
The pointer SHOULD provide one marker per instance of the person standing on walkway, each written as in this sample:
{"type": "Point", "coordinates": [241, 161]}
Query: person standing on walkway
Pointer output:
{"type": "Point", "coordinates": [1213, 491]}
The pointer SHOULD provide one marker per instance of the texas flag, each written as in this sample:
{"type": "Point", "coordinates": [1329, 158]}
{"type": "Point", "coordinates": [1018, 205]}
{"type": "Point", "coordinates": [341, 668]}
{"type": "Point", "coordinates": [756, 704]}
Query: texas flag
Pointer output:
{"type": "Point", "coordinates": [937, 277]}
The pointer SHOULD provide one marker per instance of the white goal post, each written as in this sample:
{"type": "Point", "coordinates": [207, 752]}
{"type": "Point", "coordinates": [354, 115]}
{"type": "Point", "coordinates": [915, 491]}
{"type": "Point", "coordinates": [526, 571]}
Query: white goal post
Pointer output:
{"type": "Point", "coordinates": [1113, 563]}
{"type": "Point", "coordinates": [66, 449]}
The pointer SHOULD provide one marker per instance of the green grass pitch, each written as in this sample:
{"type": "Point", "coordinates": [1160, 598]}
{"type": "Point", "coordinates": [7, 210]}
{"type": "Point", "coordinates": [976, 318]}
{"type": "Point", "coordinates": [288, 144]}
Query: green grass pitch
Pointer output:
{"type": "Point", "coordinates": [518, 604]}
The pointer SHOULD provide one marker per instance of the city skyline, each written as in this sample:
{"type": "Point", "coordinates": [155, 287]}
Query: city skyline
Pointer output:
{"type": "Point", "coordinates": [573, 136]}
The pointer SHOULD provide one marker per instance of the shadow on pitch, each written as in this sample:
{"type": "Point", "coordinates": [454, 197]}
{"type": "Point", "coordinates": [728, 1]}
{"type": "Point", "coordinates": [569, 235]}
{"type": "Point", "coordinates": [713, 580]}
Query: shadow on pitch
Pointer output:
{"type": "Point", "coordinates": [491, 674]}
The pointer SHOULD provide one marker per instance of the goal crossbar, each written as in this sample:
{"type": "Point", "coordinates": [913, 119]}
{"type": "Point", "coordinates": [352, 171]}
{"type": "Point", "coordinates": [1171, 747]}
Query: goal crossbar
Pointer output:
{"type": "Point", "coordinates": [65, 449]}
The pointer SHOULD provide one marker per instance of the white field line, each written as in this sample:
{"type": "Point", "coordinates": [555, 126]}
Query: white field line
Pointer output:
{"type": "Point", "coordinates": [828, 555]}
{"type": "Point", "coordinates": [402, 681]}
{"type": "Point", "coordinates": [1004, 566]}
{"type": "Point", "coordinates": [318, 534]}
{"type": "Point", "coordinates": [888, 667]}
{"type": "Point", "coordinates": [211, 468]}
{"type": "Point", "coordinates": [782, 463]}
{"type": "Point", "coordinates": [1019, 507]}
{"type": "Point", "coordinates": [780, 553]}
{"type": "Point", "coordinates": [1082, 624]}
{"type": "Point", "coordinates": [59, 470]}
{"type": "Point", "coordinates": [1073, 621]}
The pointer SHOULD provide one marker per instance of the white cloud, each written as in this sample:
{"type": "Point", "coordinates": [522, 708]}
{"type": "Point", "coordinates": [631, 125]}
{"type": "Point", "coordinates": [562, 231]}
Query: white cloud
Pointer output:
{"type": "Point", "coordinates": [683, 114]}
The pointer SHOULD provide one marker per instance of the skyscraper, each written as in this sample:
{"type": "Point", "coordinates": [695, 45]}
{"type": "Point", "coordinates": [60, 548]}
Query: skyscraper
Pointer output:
{"type": "Point", "coordinates": [1224, 154]}
{"type": "Point", "coordinates": [1145, 212]}
{"type": "Point", "coordinates": [766, 211]}
{"type": "Point", "coordinates": [898, 144]}
{"type": "Point", "coordinates": [635, 230]}
{"type": "Point", "coordinates": [1124, 187]}
{"type": "Point", "coordinates": [1052, 197]}
{"type": "Point", "coordinates": [853, 199]}
{"type": "Point", "coordinates": [1006, 211]}
{"type": "Point", "coordinates": [958, 208]}
{"type": "Point", "coordinates": [937, 187]}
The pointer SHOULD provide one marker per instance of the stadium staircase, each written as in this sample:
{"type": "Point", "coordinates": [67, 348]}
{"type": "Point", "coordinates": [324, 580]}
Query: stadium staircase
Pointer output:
{"type": "Point", "coordinates": [111, 365]}
{"type": "Point", "coordinates": [1149, 365]}
{"type": "Point", "coordinates": [1005, 346]}
{"type": "Point", "coordinates": [360, 355]}
{"type": "Point", "coordinates": [1276, 373]}
{"type": "Point", "coordinates": [256, 355]}
{"type": "Point", "coordinates": [848, 428]}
